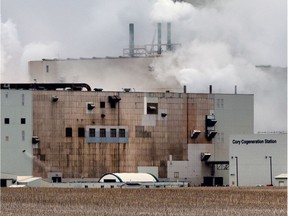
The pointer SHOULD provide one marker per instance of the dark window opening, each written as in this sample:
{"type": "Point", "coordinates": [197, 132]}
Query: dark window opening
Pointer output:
{"type": "Point", "coordinates": [102, 132]}
{"type": "Point", "coordinates": [56, 179]}
{"type": "Point", "coordinates": [42, 157]}
{"type": "Point", "coordinates": [81, 132]}
{"type": "Point", "coordinates": [152, 108]}
{"type": "Point", "coordinates": [92, 132]}
{"type": "Point", "coordinates": [69, 132]}
{"type": "Point", "coordinates": [6, 121]}
{"type": "Point", "coordinates": [23, 121]}
{"type": "Point", "coordinates": [112, 132]}
{"type": "Point", "coordinates": [121, 132]}
{"type": "Point", "coordinates": [47, 68]}
{"type": "Point", "coordinates": [102, 104]}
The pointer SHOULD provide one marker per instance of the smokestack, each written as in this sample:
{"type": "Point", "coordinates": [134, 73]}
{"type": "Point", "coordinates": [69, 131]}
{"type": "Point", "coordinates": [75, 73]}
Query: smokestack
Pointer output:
{"type": "Point", "coordinates": [235, 89]}
{"type": "Point", "coordinates": [184, 88]}
{"type": "Point", "coordinates": [210, 89]}
{"type": "Point", "coordinates": [159, 38]}
{"type": "Point", "coordinates": [169, 47]}
{"type": "Point", "coordinates": [131, 39]}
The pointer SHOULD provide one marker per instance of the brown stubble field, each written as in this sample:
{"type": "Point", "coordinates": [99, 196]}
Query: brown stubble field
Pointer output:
{"type": "Point", "coordinates": [176, 201]}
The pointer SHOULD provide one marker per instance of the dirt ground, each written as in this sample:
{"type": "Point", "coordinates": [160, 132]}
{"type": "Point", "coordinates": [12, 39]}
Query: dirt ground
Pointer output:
{"type": "Point", "coordinates": [176, 201]}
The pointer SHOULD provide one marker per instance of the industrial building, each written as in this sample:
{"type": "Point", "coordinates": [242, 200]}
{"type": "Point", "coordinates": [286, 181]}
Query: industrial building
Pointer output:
{"type": "Point", "coordinates": [258, 159]}
{"type": "Point", "coordinates": [84, 134]}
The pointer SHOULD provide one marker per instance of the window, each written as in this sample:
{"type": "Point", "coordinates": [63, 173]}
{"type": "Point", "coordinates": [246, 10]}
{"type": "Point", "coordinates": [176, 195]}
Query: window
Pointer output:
{"type": "Point", "coordinates": [23, 99]}
{"type": "Point", "coordinates": [112, 132]}
{"type": "Point", "coordinates": [102, 132]}
{"type": "Point", "coordinates": [102, 104]}
{"type": "Point", "coordinates": [68, 132]}
{"type": "Point", "coordinates": [23, 121]}
{"type": "Point", "coordinates": [6, 121]}
{"type": "Point", "coordinates": [42, 157]}
{"type": "Point", "coordinates": [121, 132]}
{"type": "Point", "coordinates": [152, 108]}
{"type": "Point", "coordinates": [23, 135]}
{"type": "Point", "coordinates": [47, 68]}
{"type": "Point", "coordinates": [92, 132]}
{"type": "Point", "coordinates": [176, 174]}
{"type": "Point", "coordinates": [81, 132]}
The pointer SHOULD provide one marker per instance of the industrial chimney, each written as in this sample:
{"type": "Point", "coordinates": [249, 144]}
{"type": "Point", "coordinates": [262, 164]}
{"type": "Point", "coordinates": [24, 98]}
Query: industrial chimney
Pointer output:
{"type": "Point", "coordinates": [159, 39]}
{"type": "Point", "coordinates": [169, 46]}
{"type": "Point", "coordinates": [131, 39]}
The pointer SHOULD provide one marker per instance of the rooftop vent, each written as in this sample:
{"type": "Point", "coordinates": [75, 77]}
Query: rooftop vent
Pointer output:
{"type": "Point", "coordinates": [98, 89]}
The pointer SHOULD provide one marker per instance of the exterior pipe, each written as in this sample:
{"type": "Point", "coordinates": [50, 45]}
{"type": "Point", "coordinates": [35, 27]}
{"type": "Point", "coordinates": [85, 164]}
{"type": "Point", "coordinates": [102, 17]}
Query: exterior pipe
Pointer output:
{"type": "Point", "coordinates": [131, 39]}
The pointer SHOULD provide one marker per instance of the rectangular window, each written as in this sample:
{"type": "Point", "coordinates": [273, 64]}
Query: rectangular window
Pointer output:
{"type": "Point", "coordinates": [23, 99]}
{"type": "Point", "coordinates": [102, 104]}
{"type": "Point", "coordinates": [68, 132]}
{"type": "Point", "coordinates": [121, 132]}
{"type": "Point", "coordinates": [112, 132]}
{"type": "Point", "coordinates": [176, 174]}
{"type": "Point", "coordinates": [23, 121]}
{"type": "Point", "coordinates": [81, 132]}
{"type": "Point", "coordinates": [42, 157]}
{"type": "Point", "coordinates": [152, 108]}
{"type": "Point", "coordinates": [102, 132]}
{"type": "Point", "coordinates": [92, 132]}
{"type": "Point", "coordinates": [47, 68]}
{"type": "Point", "coordinates": [23, 135]}
{"type": "Point", "coordinates": [6, 121]}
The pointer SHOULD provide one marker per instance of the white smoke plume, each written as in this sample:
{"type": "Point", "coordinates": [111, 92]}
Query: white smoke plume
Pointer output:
{"type": "Point", "coordinates": [221, 45]}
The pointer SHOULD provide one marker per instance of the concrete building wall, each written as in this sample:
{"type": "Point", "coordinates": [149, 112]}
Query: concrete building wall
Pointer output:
{"type": "Point", "coordinates": [109, 73]}
{"type": "Point", "coordinates": [151, 137]}
{"type": "Point", "coordinates": [252, 154]}
{"type": "Point", "coordinates": [16, 132]}
{"type": "Point", "coordinates": [234, 115]}
{"type": "Point", "coordinates": [193, 169]}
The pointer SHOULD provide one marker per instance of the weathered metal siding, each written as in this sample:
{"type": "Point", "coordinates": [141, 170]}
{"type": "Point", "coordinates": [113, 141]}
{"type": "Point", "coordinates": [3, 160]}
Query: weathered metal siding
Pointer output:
{"type": "Point", "coordinates": [151, 137]}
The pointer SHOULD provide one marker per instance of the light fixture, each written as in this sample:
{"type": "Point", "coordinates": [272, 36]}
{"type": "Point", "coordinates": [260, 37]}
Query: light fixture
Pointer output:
{"type": "Point", "coordinates": [211, 134]}
{"type": "Point", "coordinates": [195, 134]}
{"type": "Point", "coordinates": [205, 156]}
{"type": "Point", "coordinates": [163, 115]}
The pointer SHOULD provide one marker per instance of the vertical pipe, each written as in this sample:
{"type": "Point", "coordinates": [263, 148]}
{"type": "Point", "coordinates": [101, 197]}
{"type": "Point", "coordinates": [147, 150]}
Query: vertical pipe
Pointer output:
{"type": "Point", "coordinates": [210, 89]}
{"type": "Point", "coordinates": [131, 39]}
{"type": "Point", "coordinates": [270, 157]}
{"type": "Point", "coordinates": [159, 38]}
{"type": "Point", "coordinates": [237, 177]}
{"type": "Point", "coordinates": [169, 47]}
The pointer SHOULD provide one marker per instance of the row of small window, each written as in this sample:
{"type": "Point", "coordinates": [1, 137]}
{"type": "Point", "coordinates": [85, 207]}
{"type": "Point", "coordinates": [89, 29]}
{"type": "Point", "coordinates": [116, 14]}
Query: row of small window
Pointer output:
{"type": "Point", "coordinates": [92, 132]}
{"type": "Point", "coordinates": [7, 121]}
